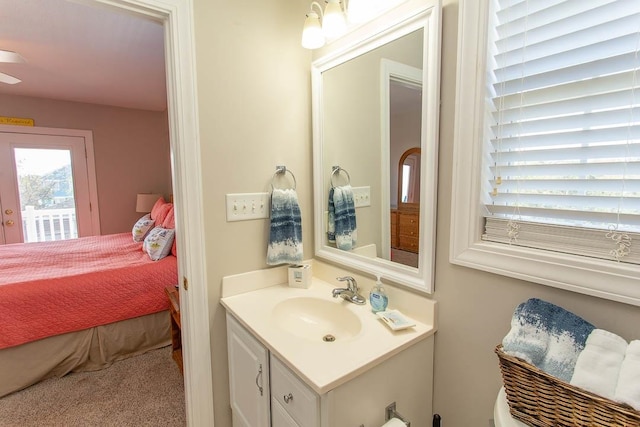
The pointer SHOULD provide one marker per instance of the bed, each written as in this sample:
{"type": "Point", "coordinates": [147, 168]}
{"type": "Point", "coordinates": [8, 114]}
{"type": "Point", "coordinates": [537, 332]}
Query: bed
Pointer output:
{"type": "Point", "coordinates": [79, 305]}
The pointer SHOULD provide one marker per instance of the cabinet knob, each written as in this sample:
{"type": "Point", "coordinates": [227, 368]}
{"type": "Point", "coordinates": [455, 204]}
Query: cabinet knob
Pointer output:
{"type": "Point", "coordinates": [9, 211]}
{"type": "Point", "coordinates": [9, 223]}
{"type": "Point", "coordinates": [288, 398]}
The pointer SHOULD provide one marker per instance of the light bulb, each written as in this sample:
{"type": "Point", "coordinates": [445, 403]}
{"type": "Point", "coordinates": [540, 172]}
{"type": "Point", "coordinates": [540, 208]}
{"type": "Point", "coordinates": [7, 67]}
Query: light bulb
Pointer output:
{"type": "Point", "coordinates": [312, 35]}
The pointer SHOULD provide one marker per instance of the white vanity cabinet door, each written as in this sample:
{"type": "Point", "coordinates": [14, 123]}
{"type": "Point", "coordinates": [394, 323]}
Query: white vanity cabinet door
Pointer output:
{"type": "Point", "coordinates": [279, 417]}
{"type": "Point", "coordinates": [297, 399]}
{"type": "Point", "coordinates": [248, 377]}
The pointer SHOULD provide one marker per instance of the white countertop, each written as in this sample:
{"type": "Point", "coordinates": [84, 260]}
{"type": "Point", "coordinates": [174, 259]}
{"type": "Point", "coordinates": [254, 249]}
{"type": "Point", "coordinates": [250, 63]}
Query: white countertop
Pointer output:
{"type": "Point", "coordinates": [324, 365]}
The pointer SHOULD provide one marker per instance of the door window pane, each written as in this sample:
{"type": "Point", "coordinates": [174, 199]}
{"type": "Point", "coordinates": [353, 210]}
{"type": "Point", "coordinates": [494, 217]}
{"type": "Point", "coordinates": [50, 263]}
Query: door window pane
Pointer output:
{"type": "Point", "coordinates": [45, 182]}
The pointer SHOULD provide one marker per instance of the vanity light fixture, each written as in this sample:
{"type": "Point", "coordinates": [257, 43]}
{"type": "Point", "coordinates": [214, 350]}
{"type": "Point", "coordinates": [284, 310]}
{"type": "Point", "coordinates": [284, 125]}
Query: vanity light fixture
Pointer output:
{"type": "Point", "coordinates": [334, 24]}
{"type": "Point", "coordinates": [312, 35]}
{"type": "Point", "coordinates": [336, 17]}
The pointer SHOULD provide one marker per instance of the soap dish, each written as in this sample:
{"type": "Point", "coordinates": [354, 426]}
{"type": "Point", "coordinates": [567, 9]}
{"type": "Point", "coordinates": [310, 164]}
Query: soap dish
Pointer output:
{"type": "Point", "coordinates": [395, 320]}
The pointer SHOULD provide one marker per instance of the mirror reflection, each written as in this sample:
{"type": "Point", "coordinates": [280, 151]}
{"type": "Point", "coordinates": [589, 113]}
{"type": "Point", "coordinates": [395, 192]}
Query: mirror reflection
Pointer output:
{"type": "Point", "coordinates": [405, 216]}
{"type": "Point", "coordinates": [375, 115]}
{"type": "Point", "coordinates": [372, 115]}
{"type": "Point", "coordinates": [409, 176]}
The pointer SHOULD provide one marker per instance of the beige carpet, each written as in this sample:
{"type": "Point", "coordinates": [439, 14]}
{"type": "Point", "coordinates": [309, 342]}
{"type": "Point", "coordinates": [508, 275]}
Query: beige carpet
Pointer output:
{"type": "Point", "coordinates": [145, 390]}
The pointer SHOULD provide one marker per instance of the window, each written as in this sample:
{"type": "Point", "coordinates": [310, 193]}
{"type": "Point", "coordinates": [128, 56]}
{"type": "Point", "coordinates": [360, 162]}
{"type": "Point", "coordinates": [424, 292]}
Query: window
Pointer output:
{"type": "Point", "coordinates": [547, 174]}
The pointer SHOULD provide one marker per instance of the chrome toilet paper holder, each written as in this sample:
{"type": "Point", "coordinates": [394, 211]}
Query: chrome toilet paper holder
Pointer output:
{"type": "Point", "coordinates": [390, 412]}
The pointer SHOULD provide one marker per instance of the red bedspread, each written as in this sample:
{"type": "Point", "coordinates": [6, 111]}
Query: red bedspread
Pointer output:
{"type": "Point", "coordinates": [51, 288]}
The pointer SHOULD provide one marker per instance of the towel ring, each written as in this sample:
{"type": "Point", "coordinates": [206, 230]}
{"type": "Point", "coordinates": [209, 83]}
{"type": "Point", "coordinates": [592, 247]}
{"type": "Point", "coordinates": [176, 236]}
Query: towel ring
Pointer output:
{"type": "Point", "coordinates": [337, 170]}
{"type": "Point", "coordinates": [282, 170]}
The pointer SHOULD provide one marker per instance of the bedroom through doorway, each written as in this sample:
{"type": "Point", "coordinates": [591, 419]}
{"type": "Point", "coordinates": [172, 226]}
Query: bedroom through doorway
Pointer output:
{"type": "Point", "coordinates": [176, 22]}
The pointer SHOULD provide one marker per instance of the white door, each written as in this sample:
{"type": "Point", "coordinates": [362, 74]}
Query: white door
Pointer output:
{"type": "Point", "coordinates": [248, 377]}
{"type": "Point", "coordinates": [45, 187]}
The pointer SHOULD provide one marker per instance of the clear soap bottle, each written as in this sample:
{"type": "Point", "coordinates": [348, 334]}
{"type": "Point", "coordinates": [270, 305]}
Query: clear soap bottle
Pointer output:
{"type": "Point", "coordinates": [378, 297]}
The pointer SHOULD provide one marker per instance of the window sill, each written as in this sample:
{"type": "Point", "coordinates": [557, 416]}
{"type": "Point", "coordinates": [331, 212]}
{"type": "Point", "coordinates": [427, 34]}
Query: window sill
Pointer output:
{"type": "Point", "coordinates": [600, 278]}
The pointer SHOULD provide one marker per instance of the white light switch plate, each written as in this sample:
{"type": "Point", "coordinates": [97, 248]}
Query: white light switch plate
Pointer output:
{"type": "Point", "coordinates": [246, 206]}
{"type": "Point", "coordinates": [361, 196]}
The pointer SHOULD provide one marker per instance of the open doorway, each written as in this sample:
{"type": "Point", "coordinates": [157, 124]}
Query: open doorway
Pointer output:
{"type": "Point", "coordinates": [176, 18]}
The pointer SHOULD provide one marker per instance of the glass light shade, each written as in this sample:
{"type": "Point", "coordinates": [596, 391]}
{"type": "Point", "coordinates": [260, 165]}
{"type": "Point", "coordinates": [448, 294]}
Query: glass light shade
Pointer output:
{"type": "Point", "coordinates": [334, 23]}
{"type": "Point", "coordinates": [312, 35]}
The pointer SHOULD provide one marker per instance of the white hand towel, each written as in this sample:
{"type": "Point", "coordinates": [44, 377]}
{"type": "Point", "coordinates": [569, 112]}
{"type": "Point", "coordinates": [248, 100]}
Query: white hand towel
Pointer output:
{"type": "Point", "coordinates": [598, 365]}
{"type": "Point", "coordinates": [628, 389]}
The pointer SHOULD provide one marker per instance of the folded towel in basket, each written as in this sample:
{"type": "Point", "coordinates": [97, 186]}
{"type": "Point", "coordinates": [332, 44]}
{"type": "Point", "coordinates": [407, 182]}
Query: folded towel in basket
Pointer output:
{"type": "Point", "coordinates": [628, 388]}
{"type": "Point", "coordinates": [547, 336]}
{"type": "Point", "coordinates": [598, 365]}
{"type": "Point", "coordinates": [341, 228]}
{"type": "Point", "coordinates": [285, 233]}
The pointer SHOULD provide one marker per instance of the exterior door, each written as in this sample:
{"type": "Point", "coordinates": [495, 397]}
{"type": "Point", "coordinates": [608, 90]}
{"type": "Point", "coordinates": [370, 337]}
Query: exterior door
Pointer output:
{"type": "Point", "coordinates": [45, 187]}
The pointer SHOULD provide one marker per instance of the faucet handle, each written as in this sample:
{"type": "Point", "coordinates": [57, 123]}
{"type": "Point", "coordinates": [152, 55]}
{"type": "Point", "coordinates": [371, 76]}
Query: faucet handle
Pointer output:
{"type": "Point", "coordinates": [351, 282]}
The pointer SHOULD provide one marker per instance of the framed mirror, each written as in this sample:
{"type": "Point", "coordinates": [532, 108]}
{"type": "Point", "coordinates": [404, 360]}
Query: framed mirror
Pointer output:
{"type": "Point", "coordinates": [376, 104]}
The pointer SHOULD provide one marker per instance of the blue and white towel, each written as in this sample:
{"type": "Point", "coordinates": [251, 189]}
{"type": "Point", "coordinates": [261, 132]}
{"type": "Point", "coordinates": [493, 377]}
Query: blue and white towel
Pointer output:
{"type": "Point", "coordinates": [547, 336]}
{"type": "Point", "coordinates": [285, 234]}
{"type": "Point", "coordinates": [598, 365]}
{"type": "Point", "coordinates": [341, 228]}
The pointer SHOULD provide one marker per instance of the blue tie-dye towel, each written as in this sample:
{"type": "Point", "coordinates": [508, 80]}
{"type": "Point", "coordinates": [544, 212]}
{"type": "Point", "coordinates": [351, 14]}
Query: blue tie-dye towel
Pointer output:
{"type": "Point", "coordinates": [285, 233]}
{"type": "Point", "coordinates": [342, 228]}
{"type": "Point", "coordinates": [547, 336]}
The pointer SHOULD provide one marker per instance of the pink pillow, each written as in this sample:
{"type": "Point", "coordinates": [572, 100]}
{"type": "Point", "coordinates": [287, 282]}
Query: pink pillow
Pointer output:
{"type": "Point", "coordinates": [169, 221]}
{"type": "Point", "coordinates": [174, 251]}
{"type": "Point", "coordinates": [156, 206]}
{"type": "Point", "coordinates": [162, 211]}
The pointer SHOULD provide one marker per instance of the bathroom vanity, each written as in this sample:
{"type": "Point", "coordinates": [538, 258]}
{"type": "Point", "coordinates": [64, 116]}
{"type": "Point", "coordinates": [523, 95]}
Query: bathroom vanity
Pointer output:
{"type": "Point", "coordinates": [298, 357]}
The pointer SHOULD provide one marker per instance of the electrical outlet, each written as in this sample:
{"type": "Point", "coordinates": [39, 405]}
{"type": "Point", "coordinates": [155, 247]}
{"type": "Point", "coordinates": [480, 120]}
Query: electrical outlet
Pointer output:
{"type": "Point", "coordinates": [361, 196]}
{"type": "Point", "coordinates": [246, 206]}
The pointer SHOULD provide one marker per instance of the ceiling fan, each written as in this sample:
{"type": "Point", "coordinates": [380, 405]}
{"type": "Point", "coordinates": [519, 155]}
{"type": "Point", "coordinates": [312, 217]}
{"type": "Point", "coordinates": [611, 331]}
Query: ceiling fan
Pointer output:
{"type": "Point", "coordinates": [9, 56]}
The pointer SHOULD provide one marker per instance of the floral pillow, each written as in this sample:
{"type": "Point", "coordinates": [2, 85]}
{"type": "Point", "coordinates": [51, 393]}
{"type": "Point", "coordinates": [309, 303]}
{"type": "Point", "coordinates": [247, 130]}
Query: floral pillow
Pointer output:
{"type": "Point", "coordinates": [158, 243]}
{"type": "Point", "coordinates": [142, 228]}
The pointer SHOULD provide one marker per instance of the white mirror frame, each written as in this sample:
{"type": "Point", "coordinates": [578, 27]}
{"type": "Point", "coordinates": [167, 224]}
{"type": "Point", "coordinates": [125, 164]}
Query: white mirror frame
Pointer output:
{"type": "Point", "coordinates": [400, 21]}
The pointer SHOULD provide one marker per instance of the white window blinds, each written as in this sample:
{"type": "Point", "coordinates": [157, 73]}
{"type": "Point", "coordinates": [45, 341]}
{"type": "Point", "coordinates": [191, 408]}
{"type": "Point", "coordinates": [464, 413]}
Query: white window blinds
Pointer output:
{"type": "Point", "coordinates": [562, 140]}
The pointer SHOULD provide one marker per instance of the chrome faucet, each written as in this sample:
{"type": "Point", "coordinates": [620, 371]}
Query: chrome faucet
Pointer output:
{"type": "Point", "coordinates": [350, 293]}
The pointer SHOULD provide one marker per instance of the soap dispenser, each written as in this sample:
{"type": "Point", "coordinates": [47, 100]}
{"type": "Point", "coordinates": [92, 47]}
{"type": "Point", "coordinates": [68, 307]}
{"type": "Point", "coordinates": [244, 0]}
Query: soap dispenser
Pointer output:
{"type": "Point", "coordinates": [378, 297]}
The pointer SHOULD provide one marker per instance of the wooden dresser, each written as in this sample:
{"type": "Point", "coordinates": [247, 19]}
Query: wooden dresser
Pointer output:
{"type": "Point", "coordinates": [405, 230]}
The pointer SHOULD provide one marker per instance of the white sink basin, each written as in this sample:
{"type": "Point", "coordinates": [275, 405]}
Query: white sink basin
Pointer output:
{"type": "Point", "coordinates": [317, 319]}
{"type": "Point", "coordinates": [292, 322]}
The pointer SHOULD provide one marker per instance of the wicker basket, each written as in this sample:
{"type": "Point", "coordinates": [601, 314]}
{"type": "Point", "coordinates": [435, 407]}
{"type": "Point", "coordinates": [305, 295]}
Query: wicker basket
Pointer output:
{"type": "Point", "coordinates": [541, 400]}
